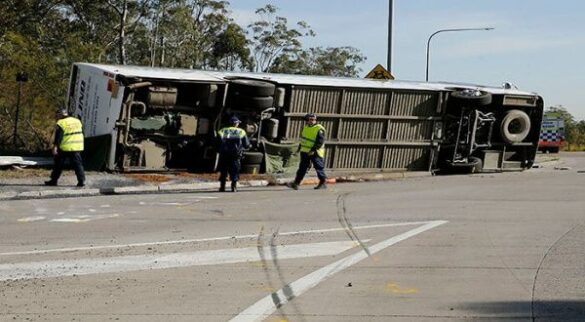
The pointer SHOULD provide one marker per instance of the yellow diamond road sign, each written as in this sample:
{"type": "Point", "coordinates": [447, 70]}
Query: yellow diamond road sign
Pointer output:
{"type": "Point", "coordinates": [379, 72]}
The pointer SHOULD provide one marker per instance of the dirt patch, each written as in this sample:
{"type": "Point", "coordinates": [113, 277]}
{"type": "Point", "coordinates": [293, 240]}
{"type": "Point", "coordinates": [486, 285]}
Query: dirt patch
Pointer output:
{"type": "Point", "coordinates": [15, 172]}
{"type": "Point", "coordinates": [28, 173]}
{"type": "Point", "coordinates": [206, 177]}
{"type": "Point", "coordinates": [148, 177]}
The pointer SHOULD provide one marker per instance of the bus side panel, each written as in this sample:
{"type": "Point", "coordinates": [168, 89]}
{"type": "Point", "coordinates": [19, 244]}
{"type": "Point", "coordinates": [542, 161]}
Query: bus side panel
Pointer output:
{"type": "Point", "coordinates": [369, 128]}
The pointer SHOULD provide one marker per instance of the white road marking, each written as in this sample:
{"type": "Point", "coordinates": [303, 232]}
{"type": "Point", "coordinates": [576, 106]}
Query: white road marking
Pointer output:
{"type": "Point", "coordinates": [161, 261]}
{"type": "Point", "coordinates": [142, 203]}
{"type": "Point", "coordinates": [266, 306]}
{"type": "Point", "coordinates": [31, 219]}
{"type": "Point", "coordinates": [83, 218]}
{"type": "Point", "coordinates": [187, 241]}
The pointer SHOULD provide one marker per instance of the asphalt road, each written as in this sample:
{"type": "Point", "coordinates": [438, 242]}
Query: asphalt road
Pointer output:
{"type": "Point", "coordinates": [493, 247]}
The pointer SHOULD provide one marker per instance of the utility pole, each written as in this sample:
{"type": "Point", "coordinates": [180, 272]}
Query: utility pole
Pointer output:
{"type": "Point", "coordinates": [390, 31]}
{"type": "Point", "coordinates": [21, 77]}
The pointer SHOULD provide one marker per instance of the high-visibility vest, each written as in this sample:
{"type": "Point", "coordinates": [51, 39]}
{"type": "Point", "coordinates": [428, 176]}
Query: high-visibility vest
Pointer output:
{"type": "Point", "coordinates": [72, 134]}
{"type": "Point", "coordinates": [308, 138]}
{"type": "Point", "coordinates": [231, 132]}
{"type": "Point", "coordinates": [232, 139]}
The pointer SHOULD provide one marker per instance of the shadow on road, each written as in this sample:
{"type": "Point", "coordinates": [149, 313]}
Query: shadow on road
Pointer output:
{"type": "Point", "coordinates": [537, 311]}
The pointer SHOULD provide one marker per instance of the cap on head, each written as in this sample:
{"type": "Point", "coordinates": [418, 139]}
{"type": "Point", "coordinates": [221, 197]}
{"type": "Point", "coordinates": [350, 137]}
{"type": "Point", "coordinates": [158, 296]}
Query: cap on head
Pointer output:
{"type": "Point", "coordinates": [310, 116]}
{"type": "Point", "coordinates": [234, 120]}
{"type": "Point", "coordinates": [61, 113]}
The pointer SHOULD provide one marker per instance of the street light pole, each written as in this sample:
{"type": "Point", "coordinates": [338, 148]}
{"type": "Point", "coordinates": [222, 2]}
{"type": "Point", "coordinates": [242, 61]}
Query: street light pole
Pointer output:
{"type": "Point", "coordinates": [445, 30]}
{"type": "Point", "coordinates": [390, 32]}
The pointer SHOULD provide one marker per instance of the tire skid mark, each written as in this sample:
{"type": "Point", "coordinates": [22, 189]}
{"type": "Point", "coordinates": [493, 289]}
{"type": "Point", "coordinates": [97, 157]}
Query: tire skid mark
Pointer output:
{"type": "Point", "coordinates": [271, 285]}
{"type": "Point", "coordinates": [346, 224]}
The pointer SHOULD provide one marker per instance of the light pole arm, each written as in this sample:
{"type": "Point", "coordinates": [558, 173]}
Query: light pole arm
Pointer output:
{"type": "Point", "coordinates": [444, 30]}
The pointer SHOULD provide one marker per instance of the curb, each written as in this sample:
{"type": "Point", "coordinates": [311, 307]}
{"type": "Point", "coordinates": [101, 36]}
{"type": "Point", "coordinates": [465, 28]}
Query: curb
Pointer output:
{"type": "Point", "coordinates": [193, 187]}
{"type": "Point", "coordinates": [168, 188]}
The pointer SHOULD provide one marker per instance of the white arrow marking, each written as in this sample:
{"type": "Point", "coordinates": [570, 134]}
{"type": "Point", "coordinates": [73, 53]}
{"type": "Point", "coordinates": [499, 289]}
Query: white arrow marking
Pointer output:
{"type": "Point", "coordinates": [266, 306]}
{"type": "Point", "coordinates": [160, 261]}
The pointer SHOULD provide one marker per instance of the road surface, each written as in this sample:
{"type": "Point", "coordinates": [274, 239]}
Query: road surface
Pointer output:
{"type": "Point", "coordinates": [494, 247]}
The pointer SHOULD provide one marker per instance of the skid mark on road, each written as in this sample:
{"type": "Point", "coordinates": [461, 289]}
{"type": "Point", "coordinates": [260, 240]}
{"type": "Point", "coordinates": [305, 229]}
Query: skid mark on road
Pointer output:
{"type": "Point", "coordinates": [266, 307]}
{"type": "Point", "coordinates": [346, 224]}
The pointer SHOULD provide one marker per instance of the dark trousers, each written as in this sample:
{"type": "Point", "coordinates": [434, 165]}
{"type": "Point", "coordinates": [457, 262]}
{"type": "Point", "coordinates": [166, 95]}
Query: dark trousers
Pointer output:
{"type": "Point", "coordinates": [74, 160]}
{"type": "Point", "coordinates": [305, 165]}
{"type": "Point", "coordinates": [229, 164]}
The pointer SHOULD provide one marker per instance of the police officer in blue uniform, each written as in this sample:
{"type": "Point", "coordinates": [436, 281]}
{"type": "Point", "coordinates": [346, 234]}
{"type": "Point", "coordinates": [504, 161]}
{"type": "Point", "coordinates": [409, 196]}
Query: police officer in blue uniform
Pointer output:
{"type": "Point", "coordinates": [233, 142]}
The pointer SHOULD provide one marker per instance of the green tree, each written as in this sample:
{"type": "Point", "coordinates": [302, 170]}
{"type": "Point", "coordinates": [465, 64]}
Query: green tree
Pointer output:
{"type": "Point", "coordinates": [580, 134]}
{"type": "Point", "coordinates": [184, 32]}
{"type": "Point", "coordinates": [25, 16]}
{"type": "Point", "coordinates": [333, 61]}
{"type": "Point", "coordinates": [230, 51]}
{"type": "Point", "coordinates": [41, 95]}
{"type": "Point", "coordinates": [271, 38]}
{"type": "Point", "coordinates": [129, 14]}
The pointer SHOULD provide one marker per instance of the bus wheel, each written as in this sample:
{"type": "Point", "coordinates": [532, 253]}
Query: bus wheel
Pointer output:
{"type": "Point", "coordinates": [471, 97]}
{"type": "Point", "coordinates": [515, 126]}
{"type": "Point", "coordinates": [252, 157]}
{"type": "Point", "coordinates": [254, 102]}
{"type": "Point", "coordinates": [251, 87]}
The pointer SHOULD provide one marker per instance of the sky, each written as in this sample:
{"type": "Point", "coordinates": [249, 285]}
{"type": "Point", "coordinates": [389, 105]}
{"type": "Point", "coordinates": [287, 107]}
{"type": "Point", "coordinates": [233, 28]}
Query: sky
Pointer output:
{"type": "Point", "coordinates": [537, 45]}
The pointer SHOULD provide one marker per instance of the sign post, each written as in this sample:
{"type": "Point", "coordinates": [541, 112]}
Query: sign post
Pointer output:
{"type": "Point", "coordinates": [21, 77]}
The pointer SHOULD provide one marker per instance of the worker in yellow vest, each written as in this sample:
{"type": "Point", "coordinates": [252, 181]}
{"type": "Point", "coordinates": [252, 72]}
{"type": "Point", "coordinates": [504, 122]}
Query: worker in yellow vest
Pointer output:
{"type": "Point", "coordinates": [68, 144]}
{"type": "Point", "coordinates": [312, 148]}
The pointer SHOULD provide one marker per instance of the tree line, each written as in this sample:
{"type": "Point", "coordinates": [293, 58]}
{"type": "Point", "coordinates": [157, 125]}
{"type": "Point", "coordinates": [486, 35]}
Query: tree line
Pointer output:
{"type": "Point", "coordinates": [40, 39]}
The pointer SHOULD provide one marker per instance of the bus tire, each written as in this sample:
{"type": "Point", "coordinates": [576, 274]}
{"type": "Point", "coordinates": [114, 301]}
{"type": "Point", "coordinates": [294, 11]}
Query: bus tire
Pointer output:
{"type": "Point", "coordinates": [250, 168]}
{"type": "Point", "coordinates": [252, 157]}
{"type": "Point", "coordinates": [471, 98]}
{"type": "Point", "coordinates": [251, 102]}
{"type": "Point", "coordinates": [251, 87]}
{"type": "Point", "coordinates": [515, 126]}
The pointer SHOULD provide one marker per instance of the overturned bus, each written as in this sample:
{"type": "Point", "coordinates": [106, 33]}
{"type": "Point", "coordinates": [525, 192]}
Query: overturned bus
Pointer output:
{"type": "Point", "coordinates": [154, 119]}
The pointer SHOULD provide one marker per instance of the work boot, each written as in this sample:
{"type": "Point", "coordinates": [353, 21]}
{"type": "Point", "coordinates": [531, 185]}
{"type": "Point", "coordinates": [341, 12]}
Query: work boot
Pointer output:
{"type": "Point", "coordinates": [222, 186]}
{"type": "Point", "coordinates": [293, 185]}
{"type": "Point", "coordinates": [50, 183]}
{"type": "Point", "coordinates": [234, 186]}
{"type": "Point", "coordinates": [80, 184]}
{"type": "Point", "coordinates": [321, 185]}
